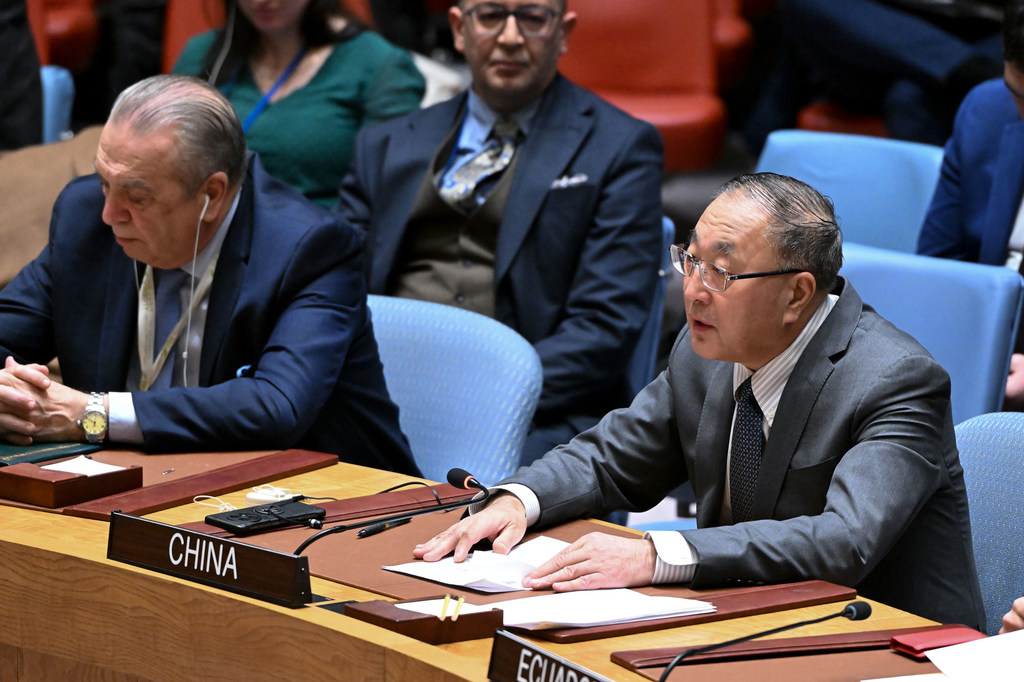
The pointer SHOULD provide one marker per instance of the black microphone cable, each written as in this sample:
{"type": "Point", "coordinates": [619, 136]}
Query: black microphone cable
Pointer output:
{"type": "Point", "coordinates": [460, 478]}
{"type": "Point", "coordinates": [856, 610]}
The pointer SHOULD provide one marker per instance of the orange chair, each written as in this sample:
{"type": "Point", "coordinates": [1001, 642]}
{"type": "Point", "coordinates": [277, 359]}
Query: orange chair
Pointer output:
{"type": "Point", "coordinates": [656, 61]}
{"type": "Point", "coordinates": [71, 30]}
{"type": "Point", "coordinates": [828, 117]}
{"type": "Point", "coordinates": [37, 22]}
{"type": "Point", "coordinates": [361, 9]}
{"type": "Point", "coordinates": [184, 19]}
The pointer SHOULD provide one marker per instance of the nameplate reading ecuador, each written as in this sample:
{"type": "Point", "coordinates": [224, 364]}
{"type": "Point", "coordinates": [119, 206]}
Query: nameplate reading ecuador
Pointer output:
{"type": "Point", "coordinates": [256, 572]}
{"type": "Point", "coordinates": [513, 659]}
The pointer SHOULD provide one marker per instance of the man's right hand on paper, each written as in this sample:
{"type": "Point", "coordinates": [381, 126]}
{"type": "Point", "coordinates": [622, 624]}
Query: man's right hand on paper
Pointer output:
{"type": "Point", "coordinates": [502, 521]}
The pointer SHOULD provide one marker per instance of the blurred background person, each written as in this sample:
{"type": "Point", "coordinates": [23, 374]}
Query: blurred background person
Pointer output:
{"type": "Point", "coordinates": [304, 78]}
{"type": "Point", "coordinates": [21, 99]}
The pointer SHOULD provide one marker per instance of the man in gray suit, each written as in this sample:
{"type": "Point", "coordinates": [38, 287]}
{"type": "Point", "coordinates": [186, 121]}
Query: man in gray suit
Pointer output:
{"type": "Point", "coordinates": [817, 436]}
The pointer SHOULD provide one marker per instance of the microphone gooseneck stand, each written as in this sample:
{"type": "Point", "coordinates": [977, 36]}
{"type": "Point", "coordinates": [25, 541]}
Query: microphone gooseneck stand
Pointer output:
{"type": "Point", "coordinates": [459, 478]}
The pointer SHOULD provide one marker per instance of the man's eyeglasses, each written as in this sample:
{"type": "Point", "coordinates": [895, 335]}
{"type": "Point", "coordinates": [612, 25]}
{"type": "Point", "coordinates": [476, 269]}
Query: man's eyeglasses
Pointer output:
{"type": "Point", "coordinates": [534, 21]}
{"type": "Point", "coordinates": [714, 277]}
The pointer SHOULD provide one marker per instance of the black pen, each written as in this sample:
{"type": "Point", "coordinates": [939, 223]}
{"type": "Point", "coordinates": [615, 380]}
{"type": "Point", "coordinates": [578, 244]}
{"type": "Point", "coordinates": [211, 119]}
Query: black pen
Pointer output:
{"type": "Point", "coordinates": [381, 527]}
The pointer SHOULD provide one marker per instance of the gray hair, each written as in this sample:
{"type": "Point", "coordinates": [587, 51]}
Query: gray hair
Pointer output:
{"type": "Point", "coordinates": [209, 136]}
{"type": "Point", "coordinates": [801, 224]}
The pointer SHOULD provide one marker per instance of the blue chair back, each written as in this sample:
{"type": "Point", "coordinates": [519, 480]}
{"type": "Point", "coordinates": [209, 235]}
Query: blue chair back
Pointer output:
{"type": "Point", "coordinates": [965, 314]}
{"type": "Point", "coordinates": [881, 188]}
{"type": "Point", "coordinates": [58, 98]}
{"type": "Point", "coordinates": [466, 386]}
{"type": "Point", "coordinates": [992, 454]}
{"type": "Point", "coordinates": [640, 371]}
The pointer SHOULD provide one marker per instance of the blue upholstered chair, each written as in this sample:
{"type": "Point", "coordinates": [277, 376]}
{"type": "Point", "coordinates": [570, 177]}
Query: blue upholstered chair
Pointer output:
{"type": "Point", "coordinates": [881, 188]}
{"type": "Point", "coordinates": [640, 371]}
{"type": "Point", "coordinates": [466, 386]}
{"type": "Point", "coordinates": [58, 97]}
{"type": "Point", "coordinates": [992, 454]}
{"type": "Point", "coordinates": [965, 314]}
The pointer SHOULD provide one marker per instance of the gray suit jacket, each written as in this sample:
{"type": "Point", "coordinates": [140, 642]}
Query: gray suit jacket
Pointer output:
{"type": "Point", "coordinates": [860, 482]}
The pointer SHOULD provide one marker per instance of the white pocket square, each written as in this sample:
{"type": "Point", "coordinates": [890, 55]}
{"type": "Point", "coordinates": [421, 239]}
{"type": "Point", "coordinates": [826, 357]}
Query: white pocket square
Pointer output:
{"type": "Point", "coordinates": [569, 181]}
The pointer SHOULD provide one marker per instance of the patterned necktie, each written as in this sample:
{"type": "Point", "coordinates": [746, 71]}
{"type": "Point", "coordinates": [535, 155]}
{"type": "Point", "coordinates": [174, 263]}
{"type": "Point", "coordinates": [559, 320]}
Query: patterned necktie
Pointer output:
{"type": "Point", "coordinates": [168, 310]}
{"type": "Point", "coordinates": [459, 187]}
{"type": "Point", "coordinates": [745, 461]}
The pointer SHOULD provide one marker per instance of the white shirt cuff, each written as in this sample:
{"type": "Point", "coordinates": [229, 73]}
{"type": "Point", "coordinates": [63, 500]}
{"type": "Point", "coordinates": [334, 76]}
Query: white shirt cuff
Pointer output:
{"type": "Point", "coordinates": [525, 495]}
{"type": "Point", "coordinates": [123, 426]}
{"type": "Point", "coordinates": [676, 558]}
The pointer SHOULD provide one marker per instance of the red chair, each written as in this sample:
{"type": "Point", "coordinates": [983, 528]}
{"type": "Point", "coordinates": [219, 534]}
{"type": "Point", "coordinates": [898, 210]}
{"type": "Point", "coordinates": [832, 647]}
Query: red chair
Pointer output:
{"type": "Point", "coordinates": [828, 117]}
{"type": "Point", "coordinates": [361, 9]}
{"type": "Point", "coordinates": [65, 31]}
{"type": "Point", "coordinates": [184, 19]}
{"type": "Point", "coordinates": [656, 60]}
{"type": "Point", "coordinates": [37, 22]}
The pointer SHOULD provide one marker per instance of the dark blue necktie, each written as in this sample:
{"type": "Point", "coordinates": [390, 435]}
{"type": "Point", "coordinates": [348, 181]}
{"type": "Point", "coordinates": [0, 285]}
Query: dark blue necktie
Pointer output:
{"type": "Point", "coordinates": [168, 310]}
{"type": "Point", "coordinates": [747, 443]}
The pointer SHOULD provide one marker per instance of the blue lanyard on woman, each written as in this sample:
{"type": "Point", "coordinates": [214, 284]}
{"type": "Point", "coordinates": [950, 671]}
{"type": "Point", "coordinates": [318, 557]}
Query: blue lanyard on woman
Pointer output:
{"type": "Point", "coordinates": [265, 100]}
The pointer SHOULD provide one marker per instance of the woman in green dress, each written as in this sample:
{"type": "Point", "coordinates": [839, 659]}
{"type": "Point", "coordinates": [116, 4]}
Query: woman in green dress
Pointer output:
{"type": "Point", "coordinates": [304, 78]}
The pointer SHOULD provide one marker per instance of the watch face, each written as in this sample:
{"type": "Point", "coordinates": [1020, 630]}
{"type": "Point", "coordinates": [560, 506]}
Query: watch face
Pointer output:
{"type": "Point", "coordinates": [94, 423]}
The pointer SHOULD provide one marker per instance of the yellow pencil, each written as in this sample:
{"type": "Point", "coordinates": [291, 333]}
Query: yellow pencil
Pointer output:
{"type": "Point", "coordinates": [458, 605]}
{"type": "Point", "coordinates": [444, 607]}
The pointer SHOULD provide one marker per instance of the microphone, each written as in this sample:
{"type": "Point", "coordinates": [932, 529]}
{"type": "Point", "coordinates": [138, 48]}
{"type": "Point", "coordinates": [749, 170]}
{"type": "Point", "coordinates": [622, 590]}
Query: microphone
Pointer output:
{"type": "Point", "coordinates": [856, 610]}
{"type": "Point", "coordinates": [460, 478]}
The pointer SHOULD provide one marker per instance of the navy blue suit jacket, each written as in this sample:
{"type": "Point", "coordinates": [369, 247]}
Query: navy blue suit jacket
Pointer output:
{"type": "Point", "coordinates": [288, 302]}
{"type": "Point", "coordinates": [982, 178]}
{"type": "Point", "coordinates": [576, 262]}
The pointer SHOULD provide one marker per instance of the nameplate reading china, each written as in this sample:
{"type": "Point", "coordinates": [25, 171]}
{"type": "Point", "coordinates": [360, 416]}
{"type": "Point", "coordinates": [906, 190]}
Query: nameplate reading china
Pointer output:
{"type": "Point", "coordinates": [256, 572]}
{"type": "Point", "coordinates": [513, 659]}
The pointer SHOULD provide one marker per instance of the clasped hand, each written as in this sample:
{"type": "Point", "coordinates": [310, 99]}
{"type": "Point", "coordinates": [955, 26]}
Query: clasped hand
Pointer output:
{"type": "Point", "coordinates": [596, 560]}
{"type": "Point", "coordinates": [35, 408]}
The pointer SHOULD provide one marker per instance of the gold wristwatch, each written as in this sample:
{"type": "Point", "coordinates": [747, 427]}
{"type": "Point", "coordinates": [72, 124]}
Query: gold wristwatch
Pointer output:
{"type": "Point", "coordinates": [94, 419]}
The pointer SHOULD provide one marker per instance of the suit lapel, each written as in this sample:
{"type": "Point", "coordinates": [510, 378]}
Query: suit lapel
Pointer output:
{"type": "Point", "coordinates": [407, 160]}
{"type": "Point", "coordinates": [120, 324]}
{"type": "Point", "coordinates": [556, 134]}
{"type": "Point", "coordinates": [1007, 179]}
{"type": "Point", "coordinates": [711, 446]}
{"type": "Point", "coordinates": [799, 397]}
{"type": "Point", "coordinates": [229, 274]}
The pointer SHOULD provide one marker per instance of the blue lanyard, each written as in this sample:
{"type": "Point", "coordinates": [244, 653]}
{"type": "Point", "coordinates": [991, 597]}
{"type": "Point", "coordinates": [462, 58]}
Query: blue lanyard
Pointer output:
{"type": "Point", "coordinates": [265, 100]}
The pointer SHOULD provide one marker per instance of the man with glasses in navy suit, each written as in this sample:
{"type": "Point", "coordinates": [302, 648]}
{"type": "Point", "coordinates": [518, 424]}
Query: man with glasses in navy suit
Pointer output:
{"type": "Point", "coordinates": [529, 200]}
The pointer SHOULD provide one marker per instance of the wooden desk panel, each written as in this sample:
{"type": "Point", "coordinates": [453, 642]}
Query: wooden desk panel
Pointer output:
{"type": "Point", "coordinates": [69, 608]}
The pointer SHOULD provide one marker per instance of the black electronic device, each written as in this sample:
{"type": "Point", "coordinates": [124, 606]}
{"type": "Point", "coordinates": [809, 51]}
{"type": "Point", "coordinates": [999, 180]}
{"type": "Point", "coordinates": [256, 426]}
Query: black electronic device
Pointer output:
{"type": "Point", "coordinates": [268, 516]}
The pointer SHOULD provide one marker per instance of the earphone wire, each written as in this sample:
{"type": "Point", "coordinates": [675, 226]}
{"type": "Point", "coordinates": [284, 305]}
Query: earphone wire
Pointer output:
{"type": "Point", "coordinates": [191, 295]}
{"type": "Point", "coordinates": [229, 30]}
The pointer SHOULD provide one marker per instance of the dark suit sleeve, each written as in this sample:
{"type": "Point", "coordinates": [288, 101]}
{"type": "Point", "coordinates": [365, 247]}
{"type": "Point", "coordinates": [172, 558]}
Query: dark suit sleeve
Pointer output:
{"type": "Point", "coordinates": [316, 308]}
{"type": "Point", "coordinates": [610, 295]}
{"type": "Point", "coordinates": [26, 312]}
{"type": "Point", "coordinates": [945, 233]}
{"type": "Point", "coordinates": [354, 203]}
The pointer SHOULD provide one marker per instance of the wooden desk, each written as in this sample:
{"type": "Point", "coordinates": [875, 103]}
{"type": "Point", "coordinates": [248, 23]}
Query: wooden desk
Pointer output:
{"type": "Point", "coordinates": [71, 614]}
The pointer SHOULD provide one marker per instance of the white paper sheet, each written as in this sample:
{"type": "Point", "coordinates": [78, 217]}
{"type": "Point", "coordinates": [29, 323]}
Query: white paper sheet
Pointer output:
{"type": "Point", "coordinates": [487, 571]}
{"type": "Point", "coordinates": [84, 466]}
{"type": "Point", "coordinates": [575, 609]}
{"type": "Point", "coordinates": [994, 659]}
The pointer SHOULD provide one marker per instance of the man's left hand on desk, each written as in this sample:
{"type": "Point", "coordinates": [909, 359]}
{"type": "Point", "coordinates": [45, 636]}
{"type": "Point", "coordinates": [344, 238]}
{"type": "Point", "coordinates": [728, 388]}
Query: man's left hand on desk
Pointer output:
{"type": "Point", "coordinates": [597, 561]}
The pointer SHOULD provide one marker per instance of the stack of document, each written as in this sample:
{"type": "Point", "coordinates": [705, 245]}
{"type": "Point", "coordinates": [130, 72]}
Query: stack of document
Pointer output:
{"type": "Point", "coordinates": [487, 571]}
{"type": "Point", "coordinates": [490, 572]}
{"type": "Point", "coordinates": [586, 608]}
